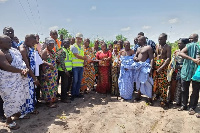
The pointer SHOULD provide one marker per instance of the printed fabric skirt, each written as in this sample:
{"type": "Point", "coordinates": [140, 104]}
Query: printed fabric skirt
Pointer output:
{"type": "Point", "coordinates": [103, 83]}
{"type": "Point", "coordinates": [88, 77]}
{"type": "Point", "coordinates": [160, 80]}
{"type": "Point", "coordinates": [115, 76]}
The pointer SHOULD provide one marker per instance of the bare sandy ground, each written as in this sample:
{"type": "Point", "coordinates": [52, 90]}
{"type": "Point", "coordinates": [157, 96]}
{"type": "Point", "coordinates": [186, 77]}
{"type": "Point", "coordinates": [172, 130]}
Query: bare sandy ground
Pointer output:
{"type": "Point", "coordinates": [98, 113]}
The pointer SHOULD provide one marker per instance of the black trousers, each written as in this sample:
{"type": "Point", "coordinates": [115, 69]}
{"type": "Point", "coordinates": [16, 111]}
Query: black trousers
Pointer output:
{"type": "Point", "coordinates": [38, 89]}
{"type": "Point", "coordinates": [194, 96]}
{"type": "Point", "coordinates": [70, 79]}
{"type": "Point", "coordinates": [64, 84]}
{"type": "Point", "coordinates": [1, 107]}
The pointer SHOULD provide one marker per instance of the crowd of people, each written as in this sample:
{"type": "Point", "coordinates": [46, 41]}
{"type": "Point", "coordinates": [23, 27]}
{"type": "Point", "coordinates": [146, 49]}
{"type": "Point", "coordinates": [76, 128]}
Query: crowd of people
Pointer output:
{"type": "Point", "coordinates": [31, 71]}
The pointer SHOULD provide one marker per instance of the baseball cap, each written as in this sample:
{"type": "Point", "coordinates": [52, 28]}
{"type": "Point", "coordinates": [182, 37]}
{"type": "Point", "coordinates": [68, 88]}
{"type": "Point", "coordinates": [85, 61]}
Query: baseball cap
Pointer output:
{"type": "Point", "coordinates": [79, 35]}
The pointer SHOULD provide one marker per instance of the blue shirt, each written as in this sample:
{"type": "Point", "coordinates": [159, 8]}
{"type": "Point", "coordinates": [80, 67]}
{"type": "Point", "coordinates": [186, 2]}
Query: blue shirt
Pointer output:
{"type": "Point", "coordinates": [20, 43]}
{"type": "Point", "coordinates": [14, 44]}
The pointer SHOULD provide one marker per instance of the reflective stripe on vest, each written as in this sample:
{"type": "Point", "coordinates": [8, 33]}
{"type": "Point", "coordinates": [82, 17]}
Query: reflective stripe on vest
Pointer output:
{"type": "Point", "coordinates": [75, 61]}
{"type": "Point", "coordinates": [68, 61]}
{"type": "Point", "coordinates": [57, 45]}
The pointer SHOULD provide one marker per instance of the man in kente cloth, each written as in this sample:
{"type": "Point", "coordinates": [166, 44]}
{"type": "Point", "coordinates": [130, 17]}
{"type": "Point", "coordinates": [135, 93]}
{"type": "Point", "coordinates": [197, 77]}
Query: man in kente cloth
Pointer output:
{"type": "Point", "coordinates": [27, 52]}
{"type": "Point", "coordinates": [161, 62]}
{"type": "Point", "coordinates": [143, 69]}
{"type": "Point", "coordinates": [14, 87]}
{"type": "Point", "coordinates": [125, 81]}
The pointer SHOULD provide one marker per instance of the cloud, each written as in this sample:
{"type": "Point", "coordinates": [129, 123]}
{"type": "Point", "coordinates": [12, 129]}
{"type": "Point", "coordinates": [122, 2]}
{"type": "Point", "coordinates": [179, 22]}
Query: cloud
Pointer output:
{"type": "Point", "coordinates": [93, 8]}
{"type": "Point", "coordinates": [68, 20]}
{"type": "Point", "coordinates": [126, 29]}
{"type": "Point", "coordinates": [173, 21]}
{"type": "Point", "coordinates": [53, 28]}
{"type": "Point", "coordinates": [145, 27]}
{"type": "Point", "coordinates": [3, 1]}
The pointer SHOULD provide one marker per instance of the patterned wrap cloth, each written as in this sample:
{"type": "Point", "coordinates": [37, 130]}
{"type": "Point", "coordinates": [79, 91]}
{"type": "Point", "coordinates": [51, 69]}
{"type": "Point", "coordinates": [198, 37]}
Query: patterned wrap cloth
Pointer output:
{"type": "Point", "coordinates": [29, 106]}
{"type": "Point", "coordinates": [115, 74]}
{"type": "Point", "coordinates": [14, 88]}
{"type": "Point", "coordinates": [160, 86]}
{"type": "Point", "coordinates": [125, 80]}
{"type": "Point", "coordinates": [103, 83]}
{"type": "Point", "coordinates": [141, 76]}
{"type": "Point", "coordinates": [50, 88]}
{"type": "Point", "coordinates": [88, 71]}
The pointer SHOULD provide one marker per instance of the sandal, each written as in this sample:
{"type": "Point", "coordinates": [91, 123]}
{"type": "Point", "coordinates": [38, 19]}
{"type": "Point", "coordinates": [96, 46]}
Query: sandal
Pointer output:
{"type": "Point", "coordinates": [22, 117]}
{"type": "Point", "coordinates": [198, 115]}
{"type": "Point", "coordinates": [12, 126]}
{"type": "Point", "coordinates": [35, 112]}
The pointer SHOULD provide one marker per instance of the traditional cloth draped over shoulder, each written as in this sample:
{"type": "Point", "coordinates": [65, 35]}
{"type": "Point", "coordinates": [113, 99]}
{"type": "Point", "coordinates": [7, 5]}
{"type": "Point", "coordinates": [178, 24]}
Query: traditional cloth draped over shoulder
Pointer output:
{"type": "Point", "coordinates": [141, 76]}
{"type": "Point", "coordinates": [31, 101]}
{"type": "Point", "coordinates": [103, 84]}
{"type": "Point", "coordinates": [125, 81]}
{"type": "Point", "coordinates": [88, 71]}
{"type": "Point", "coordinates": [14, 88]}
{"type": "Point", "coordinates": [189, 67]}
{"type": "Point", "coordinates": [50, 87]}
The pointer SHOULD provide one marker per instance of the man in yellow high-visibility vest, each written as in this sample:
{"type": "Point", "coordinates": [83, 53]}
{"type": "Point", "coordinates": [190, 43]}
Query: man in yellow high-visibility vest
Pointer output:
{"type": "Point", "coordinates": [64, 69]}
{"type": "Point", "coordinates": [77, 66]}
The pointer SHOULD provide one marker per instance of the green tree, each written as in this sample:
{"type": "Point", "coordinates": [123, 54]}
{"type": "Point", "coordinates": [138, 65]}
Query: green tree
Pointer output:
{"type": "Point", "coordinates": [174, 46]}
{"type": "Point", "coordinates": [109, 42]}
{"type": "Point", "coordinates": [121, 37]}
{"type": "Point", "coordinates": [64, 32]}
{"type": "Point", "coordinates": [91, 44]}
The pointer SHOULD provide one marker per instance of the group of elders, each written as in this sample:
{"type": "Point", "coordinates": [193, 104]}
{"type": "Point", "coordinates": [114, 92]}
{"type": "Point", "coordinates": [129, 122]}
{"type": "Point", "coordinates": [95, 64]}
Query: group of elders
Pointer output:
{"type": "Point", "coordinates": [29, 69]}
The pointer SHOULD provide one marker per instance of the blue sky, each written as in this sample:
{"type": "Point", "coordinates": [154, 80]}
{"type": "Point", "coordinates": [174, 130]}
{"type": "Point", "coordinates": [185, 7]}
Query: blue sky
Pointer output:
{"type": "Point", "coordinates": [103, 19]}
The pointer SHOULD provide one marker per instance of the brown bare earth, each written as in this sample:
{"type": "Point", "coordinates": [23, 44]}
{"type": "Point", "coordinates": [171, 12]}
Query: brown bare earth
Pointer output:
{"type": "Point", "coordinates": [98, 113]}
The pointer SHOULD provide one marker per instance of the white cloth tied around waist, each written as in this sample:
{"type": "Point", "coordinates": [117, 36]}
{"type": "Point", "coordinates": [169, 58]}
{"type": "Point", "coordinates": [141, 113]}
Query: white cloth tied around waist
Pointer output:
{"type": "Point", "coordinates": [144, 82]}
